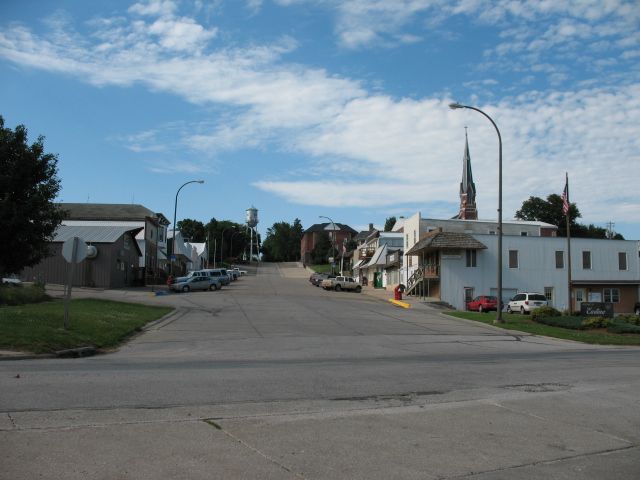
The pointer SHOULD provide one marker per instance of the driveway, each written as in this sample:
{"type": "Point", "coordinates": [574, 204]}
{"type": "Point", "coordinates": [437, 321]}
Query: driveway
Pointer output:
{"type": "Point", "coordinates": [274, 378]}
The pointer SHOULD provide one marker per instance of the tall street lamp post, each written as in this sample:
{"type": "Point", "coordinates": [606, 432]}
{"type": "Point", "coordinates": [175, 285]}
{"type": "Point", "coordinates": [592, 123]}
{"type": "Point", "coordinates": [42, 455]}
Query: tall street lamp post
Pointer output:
{"type": "Point", "coordinates": [455, 106]}
{"type": "Point", "coordinates": [233, 235]}
{"type": "Point", "coordinates": [175, 211]}
{"type": "Point", "coordinates": [333, 239]}
{"type": "Point", "coordinates": [222, 243]}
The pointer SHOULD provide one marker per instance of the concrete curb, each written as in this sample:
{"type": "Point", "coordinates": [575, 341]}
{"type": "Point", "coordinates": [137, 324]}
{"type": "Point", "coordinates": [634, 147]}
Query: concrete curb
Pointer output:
{"type": "Point", "coordinates": [514, 333]}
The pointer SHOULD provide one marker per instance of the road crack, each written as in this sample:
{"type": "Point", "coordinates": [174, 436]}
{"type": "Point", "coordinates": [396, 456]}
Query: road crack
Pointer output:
{"type": "Point", "coordinates": [217, 426]}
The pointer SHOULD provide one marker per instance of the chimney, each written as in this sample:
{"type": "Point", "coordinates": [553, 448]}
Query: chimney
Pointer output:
{"type": "Point", "coordinates": [371, 227]}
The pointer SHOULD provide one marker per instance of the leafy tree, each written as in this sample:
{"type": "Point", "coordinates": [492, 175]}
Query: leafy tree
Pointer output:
{"type": "Point", "coordinates": [323, 248]}
{"type": "Point", "coordinates": [227, 239]}
{"type": "Point", "coordinates": [194, 230]}
{"type": "Point", "coordinates": [282, 243]}
{"type": "Point", "coordinates": [550, 211]}
{"type": "Point", "coordinates": [389, 223]}
{"type": "Point", "coordinates": [28, 186]}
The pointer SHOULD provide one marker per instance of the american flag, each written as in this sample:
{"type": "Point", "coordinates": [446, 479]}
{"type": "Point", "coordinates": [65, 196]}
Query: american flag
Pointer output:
{"type": "Point", "coordinates": [565, 197]}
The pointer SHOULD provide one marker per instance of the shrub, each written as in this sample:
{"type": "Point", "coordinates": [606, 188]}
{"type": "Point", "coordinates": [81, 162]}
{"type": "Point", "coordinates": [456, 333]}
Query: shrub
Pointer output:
{"type": "Point", "coordinates": [574, 323]}
{"type": "Point", "coordinates": [20, 296]}
{"type": "Point", "coordinates": [543, 312]}
{"type": "Point", "coordinates": [622, 327]}
{"type": "Point", "coordinates": [596, 322]}
{"type": "Point", "coordinates": [629, 318]}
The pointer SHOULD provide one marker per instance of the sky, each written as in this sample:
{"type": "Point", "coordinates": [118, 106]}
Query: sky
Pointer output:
{"type": "Point", "coordinates": [305, 108]}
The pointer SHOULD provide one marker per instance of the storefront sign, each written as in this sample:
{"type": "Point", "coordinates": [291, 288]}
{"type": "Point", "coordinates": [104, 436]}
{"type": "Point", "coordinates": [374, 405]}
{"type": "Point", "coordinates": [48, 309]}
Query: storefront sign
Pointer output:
{"type": "Point", "coordinates": [596, 309]}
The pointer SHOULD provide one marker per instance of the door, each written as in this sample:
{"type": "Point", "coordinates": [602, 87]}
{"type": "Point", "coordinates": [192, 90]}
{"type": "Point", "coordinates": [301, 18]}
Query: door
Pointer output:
{"type": "Point", "coordinates": [468, 296]}
{"type": "Point", "coordinates": [579, 297]}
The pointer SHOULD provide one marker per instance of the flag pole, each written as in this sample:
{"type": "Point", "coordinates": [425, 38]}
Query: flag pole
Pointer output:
{"type": "Point", "coordinates": [567, 207]}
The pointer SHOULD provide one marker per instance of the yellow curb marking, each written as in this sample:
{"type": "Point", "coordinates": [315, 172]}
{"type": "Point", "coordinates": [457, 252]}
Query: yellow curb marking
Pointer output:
{"type": "Point", "coordinates": [400, 304]}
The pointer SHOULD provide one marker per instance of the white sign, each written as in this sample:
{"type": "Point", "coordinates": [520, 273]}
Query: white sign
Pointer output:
{"type": "Point", "coordinates": [74, 250]}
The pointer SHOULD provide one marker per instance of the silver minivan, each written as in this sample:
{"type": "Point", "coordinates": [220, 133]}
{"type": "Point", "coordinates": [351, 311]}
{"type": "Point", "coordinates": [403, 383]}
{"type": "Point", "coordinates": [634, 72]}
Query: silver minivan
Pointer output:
{"type": "Point", "coordinates": [525, 302]}
{"type": "Point", "coordinates": [219, 274]}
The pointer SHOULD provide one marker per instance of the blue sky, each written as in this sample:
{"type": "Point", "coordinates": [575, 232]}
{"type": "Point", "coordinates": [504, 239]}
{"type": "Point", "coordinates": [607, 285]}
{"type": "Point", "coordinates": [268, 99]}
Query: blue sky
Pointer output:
{"type": "Point", "coordinates": [324, 107]}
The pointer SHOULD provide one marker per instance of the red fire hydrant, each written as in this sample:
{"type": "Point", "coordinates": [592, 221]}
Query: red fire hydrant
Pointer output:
{"type": "Point", "coordinates": [397, 292]}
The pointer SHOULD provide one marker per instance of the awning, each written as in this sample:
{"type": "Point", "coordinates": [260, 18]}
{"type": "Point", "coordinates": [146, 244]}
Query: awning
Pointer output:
{"type": "Point", "coordinates": [445, 240]}
{"type": "Point", "coordinates": [358, 265]}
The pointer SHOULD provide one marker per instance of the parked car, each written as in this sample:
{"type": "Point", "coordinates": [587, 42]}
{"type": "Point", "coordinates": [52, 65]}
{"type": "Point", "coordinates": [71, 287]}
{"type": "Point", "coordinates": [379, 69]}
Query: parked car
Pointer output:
{"type": "Point", "coordinates": [526, 302]}
{"type": "Point", "coordinates": [233, 275]}
{"type": "Point", "coordinates": [195, 282]}
{"type": "Point", "coordinates": [636, 309]}
{"type": "Point", "coordinates": [483, 303]}
{"type": "Point", "coordinates": [240, 272]}
{"type": "Point", "coordinates": [341, 283]}
{"type": "Point", "coordinates": [12, 280]}
{"type": "Point", "coordinates": [224, 277]}
{"type": "Point", "coordinates": [317, 278]}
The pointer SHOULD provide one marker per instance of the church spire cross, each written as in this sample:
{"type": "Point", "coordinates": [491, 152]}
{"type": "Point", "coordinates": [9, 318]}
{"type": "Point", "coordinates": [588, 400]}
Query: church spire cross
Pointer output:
{"type": "Point", "coordinates": [468, 210]}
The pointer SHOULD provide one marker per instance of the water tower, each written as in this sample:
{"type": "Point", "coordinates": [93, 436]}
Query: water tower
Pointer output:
{"type": "Point", "coordinates": [252, 221]}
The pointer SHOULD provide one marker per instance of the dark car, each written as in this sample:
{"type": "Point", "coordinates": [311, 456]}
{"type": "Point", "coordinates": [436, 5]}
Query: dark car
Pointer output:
{"type": "Point", "coordinates": [636, 309]}
{"type": "Point", "coordinates": [483, 303]}
{"type": "Point", "coordinates": [319, 277]}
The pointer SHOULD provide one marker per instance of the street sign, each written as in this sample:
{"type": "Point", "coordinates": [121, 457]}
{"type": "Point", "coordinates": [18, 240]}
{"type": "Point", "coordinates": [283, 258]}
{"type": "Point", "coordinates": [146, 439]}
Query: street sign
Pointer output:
{"type": "Point", "coordinates": [74, 250]}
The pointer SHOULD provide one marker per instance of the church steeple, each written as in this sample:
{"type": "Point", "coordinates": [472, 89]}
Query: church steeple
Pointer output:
{"type": "Point", "coordinates": [468, 210]}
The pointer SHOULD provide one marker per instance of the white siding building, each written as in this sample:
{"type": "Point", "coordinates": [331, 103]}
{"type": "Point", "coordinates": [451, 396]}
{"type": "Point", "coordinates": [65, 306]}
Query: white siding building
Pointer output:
{"type": "Point", "coordinates": [601, 270]}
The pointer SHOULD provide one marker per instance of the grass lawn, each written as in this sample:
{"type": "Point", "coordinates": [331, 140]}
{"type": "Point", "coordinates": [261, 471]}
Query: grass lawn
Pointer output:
{"type": "Point", "coordinates": [523, 323]}
{"type": "Point", "coordinates": [323, 268]}
{"type": "Point", "coordinates": [39, 327]}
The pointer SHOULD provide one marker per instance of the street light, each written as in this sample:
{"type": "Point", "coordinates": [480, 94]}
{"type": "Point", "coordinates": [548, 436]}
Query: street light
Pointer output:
{"type": "Point", "coordinates": [455, 106]}
{"type": "Point", "coordinates": [175, 211]}
{"type": "Point", "coordinates": [333, 240]}
{"type": "Point", "coordinates": [233, 235]}
{"type": "Point", "coordinates": [222, 242]}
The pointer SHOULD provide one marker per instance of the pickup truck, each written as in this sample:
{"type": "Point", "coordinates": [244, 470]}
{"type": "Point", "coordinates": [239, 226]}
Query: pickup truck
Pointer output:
{"type": "Point", "coordinates": [341, 283]}
{"type": "Point", "coordinates": [240, 272]}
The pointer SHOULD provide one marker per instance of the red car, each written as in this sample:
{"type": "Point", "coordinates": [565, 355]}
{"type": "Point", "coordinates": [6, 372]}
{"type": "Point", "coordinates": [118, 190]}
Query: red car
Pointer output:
{"type": "Point", "coordinates": [483, 303]}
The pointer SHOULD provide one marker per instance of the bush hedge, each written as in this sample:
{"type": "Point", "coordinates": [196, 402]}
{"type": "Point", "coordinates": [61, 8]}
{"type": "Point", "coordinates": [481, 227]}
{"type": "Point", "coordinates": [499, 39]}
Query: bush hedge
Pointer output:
{"type": "Point", "coordinates": [573, 322]}
{"type": "Point", "coordinates": [619, 324]}
{"type": "Point", "coordinates": [544, 312]}
{"type": "Point", "coordinates": [12, 295]}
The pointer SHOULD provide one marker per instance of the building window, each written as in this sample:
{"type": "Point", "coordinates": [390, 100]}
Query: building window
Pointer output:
{"type": "Point", "coordinates": [523, 234]}
{"type": "Point", "coordinates": [513, 258]}
{"type": "Point", "coordinates": [612, 295]}
{"type": "Point", "coordinates": [414, 237]}
{"type": "Point", "coordinates": [471, 258]}
{"type": "Point", "coordinates": [622, 260]}
{"type": "Point", "coordinates": [407, 240]}
{"type": "Point", "coordinates": [559, 259]}
{"type": "Point", "coordinates": [548, 293]}
{"type": "Point", "coordinates": [492, 232]}
{"type": "Point", "coordinates": [586, 260]}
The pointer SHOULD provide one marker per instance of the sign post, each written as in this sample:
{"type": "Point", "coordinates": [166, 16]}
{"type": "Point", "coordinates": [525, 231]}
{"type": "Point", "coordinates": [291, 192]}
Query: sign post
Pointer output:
{"type": "Point", "coordinates": [74, 251]}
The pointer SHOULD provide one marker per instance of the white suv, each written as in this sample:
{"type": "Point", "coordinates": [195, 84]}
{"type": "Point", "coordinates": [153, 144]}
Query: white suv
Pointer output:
{"type": "Point", "coordinates": [525, 302]}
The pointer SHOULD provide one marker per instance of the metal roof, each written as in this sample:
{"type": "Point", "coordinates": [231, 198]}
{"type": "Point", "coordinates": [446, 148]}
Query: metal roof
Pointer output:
{"type": "Point", "coordinates": [93, 233]}
{"type": "Point", "coordinates": [438, 240]}
{"type": "Point", "coordinates": [108, 211]}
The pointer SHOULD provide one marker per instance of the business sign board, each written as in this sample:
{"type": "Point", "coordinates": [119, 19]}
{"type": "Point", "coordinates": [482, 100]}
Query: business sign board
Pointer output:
{"type": "Point", "coordinates": [596, 309]}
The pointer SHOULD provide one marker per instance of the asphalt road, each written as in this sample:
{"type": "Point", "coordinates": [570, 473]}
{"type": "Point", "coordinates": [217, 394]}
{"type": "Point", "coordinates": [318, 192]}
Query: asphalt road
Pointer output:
{"type": "Point", "coordinates": [273, 378]}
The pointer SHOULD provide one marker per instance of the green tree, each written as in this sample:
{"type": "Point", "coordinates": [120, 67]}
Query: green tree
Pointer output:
{"type": "Point", "coordinates": [550, 211]}
{"type": "Point", "coordinates": [28, 186]}
{"type": "Point", "coordinates": [282, 243]}
{"type": "Point", "coordinates": [389, 223]}
{"type": "Point", "coordinates": [227, 239]}
{"type": "Point", "coordinates": [321, 252]}
{"type": "Point", "coordinates": [194, 230]}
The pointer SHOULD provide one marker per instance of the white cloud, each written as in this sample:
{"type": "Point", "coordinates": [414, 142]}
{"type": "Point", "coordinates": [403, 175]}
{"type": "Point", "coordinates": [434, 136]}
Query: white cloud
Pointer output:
{"type": "Point", "coordinates": [396, 151]}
